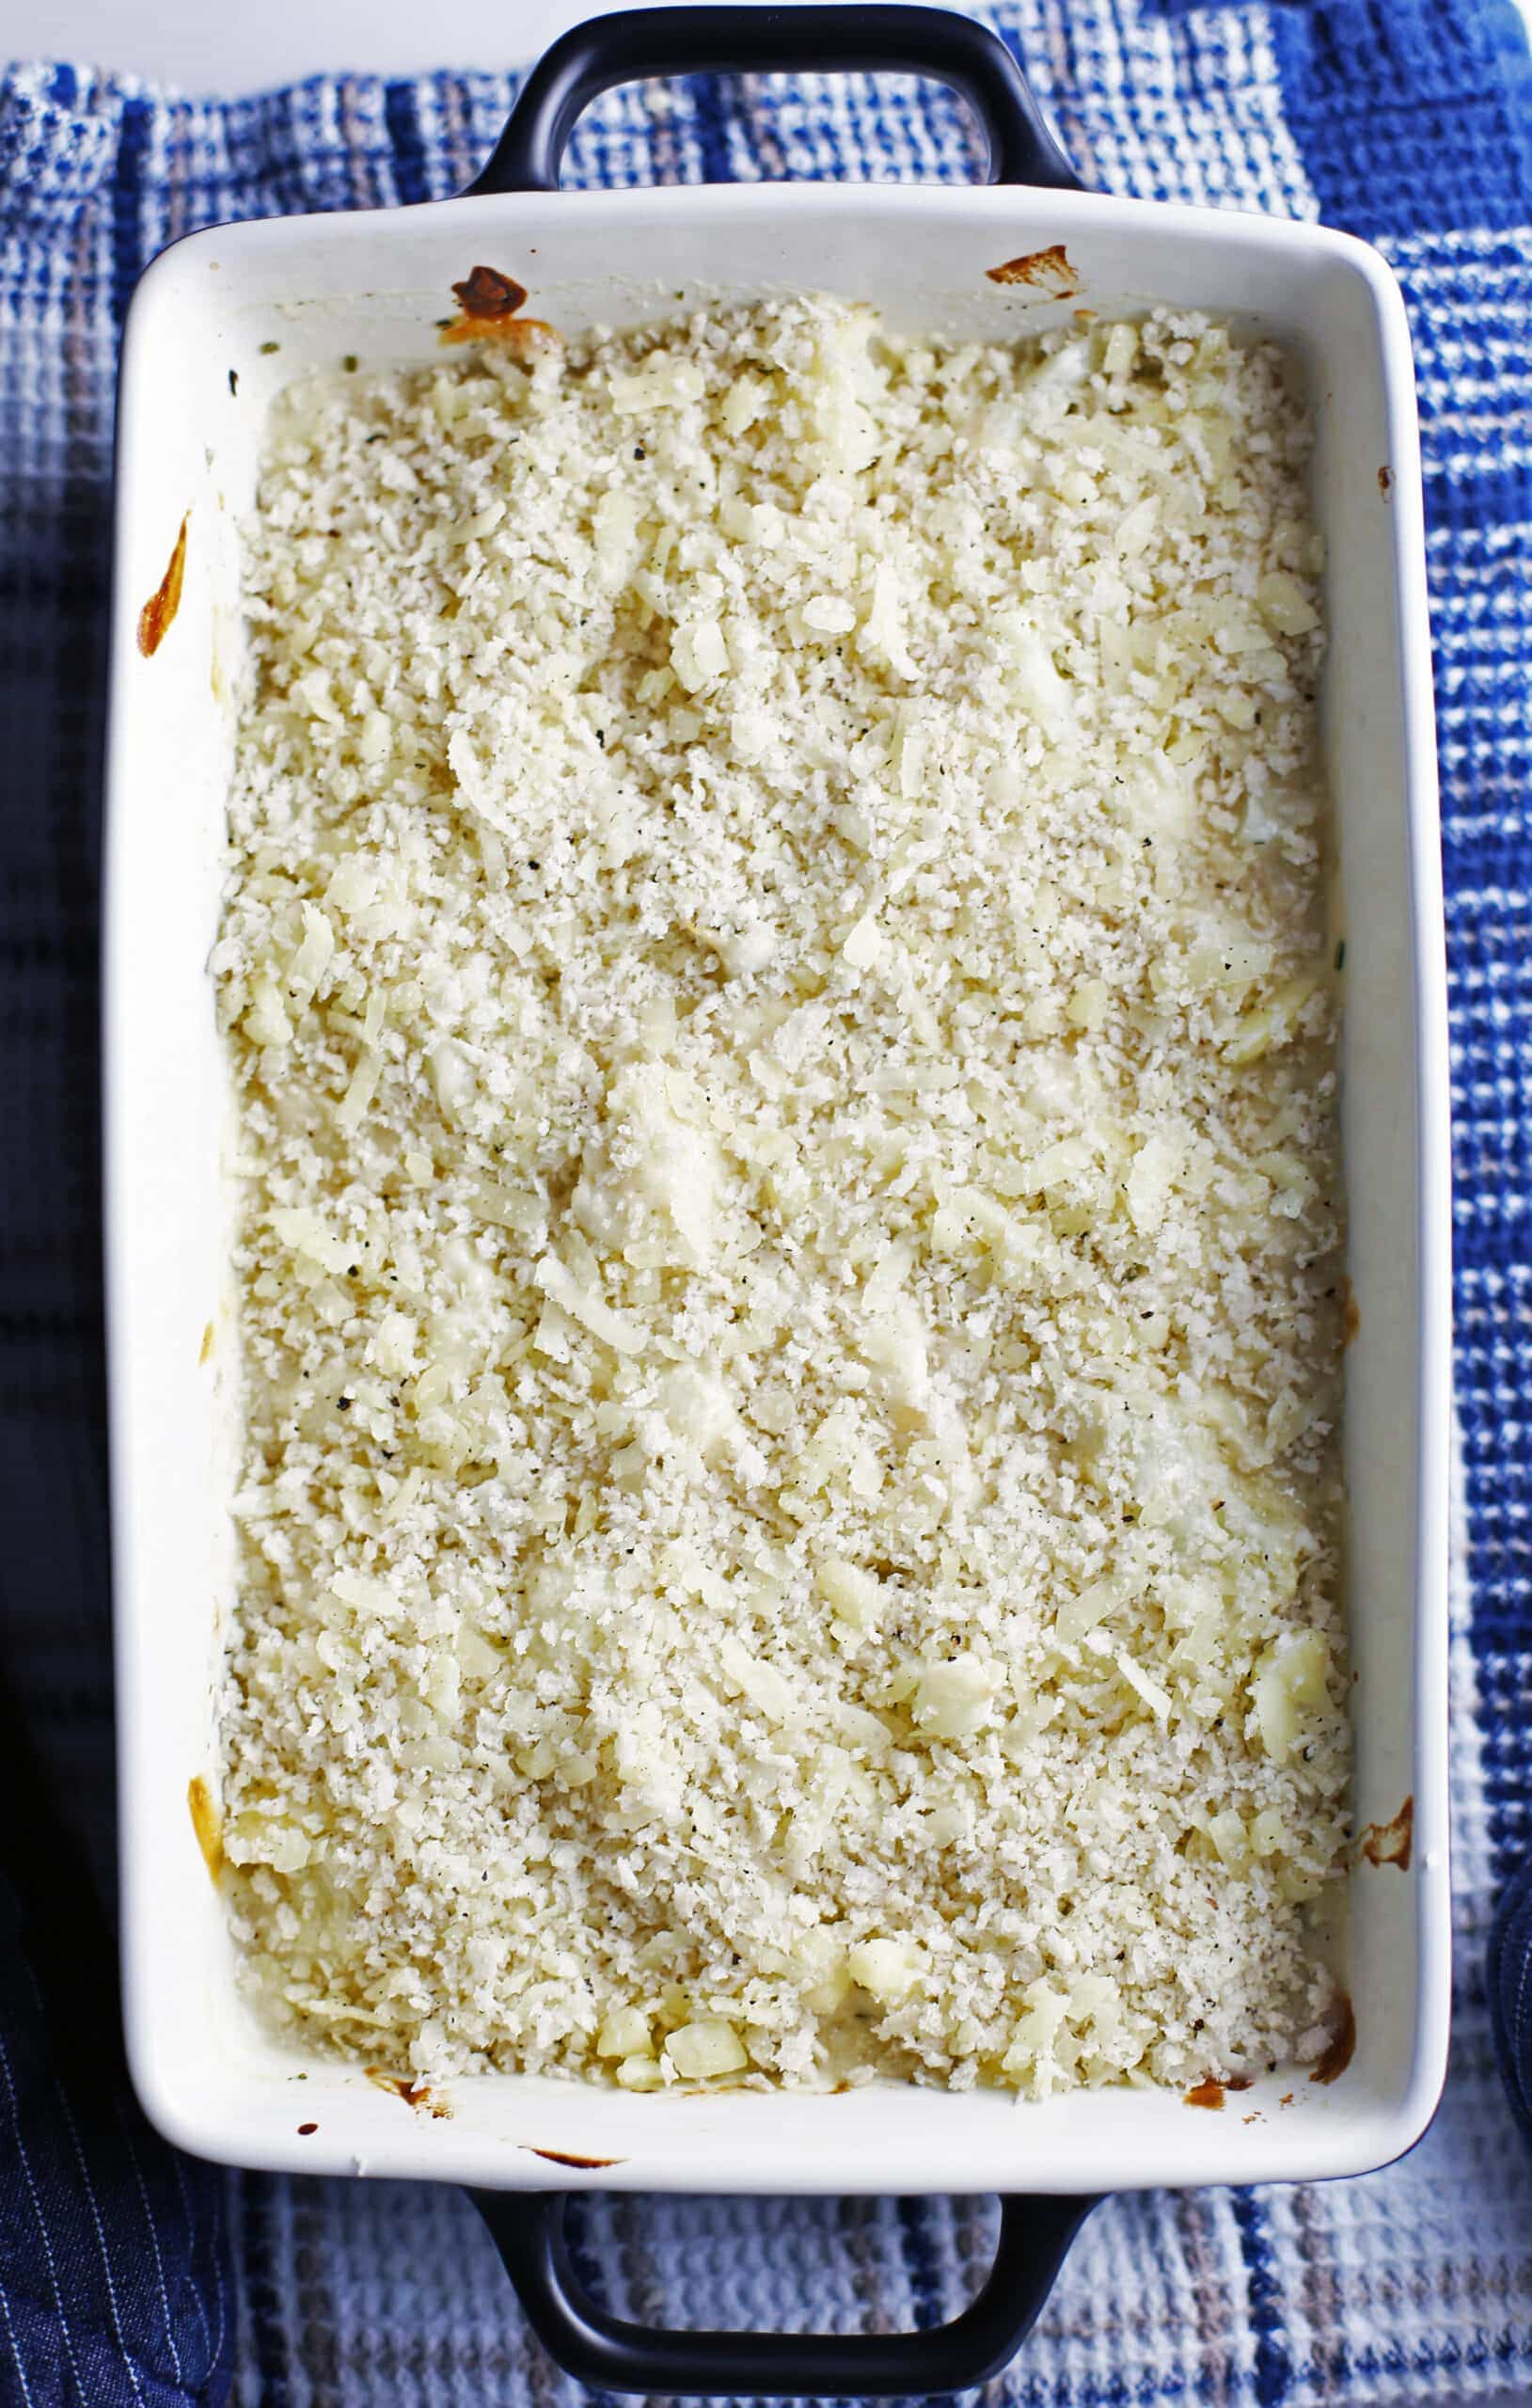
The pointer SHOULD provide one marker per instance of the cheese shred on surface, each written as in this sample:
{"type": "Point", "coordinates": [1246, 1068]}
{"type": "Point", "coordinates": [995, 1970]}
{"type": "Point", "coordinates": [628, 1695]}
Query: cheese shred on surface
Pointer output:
{"type": "Point", "coordinates": [775, 967]}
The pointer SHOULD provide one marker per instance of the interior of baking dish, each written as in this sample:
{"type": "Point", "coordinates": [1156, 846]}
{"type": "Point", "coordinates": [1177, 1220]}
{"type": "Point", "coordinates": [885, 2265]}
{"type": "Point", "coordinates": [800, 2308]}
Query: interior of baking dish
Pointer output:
{"type": "Point", "coordinates": [224, 322]}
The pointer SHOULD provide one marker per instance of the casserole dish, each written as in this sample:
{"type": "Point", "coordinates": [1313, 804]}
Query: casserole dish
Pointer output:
{"type": "Point", "coordinates": [220, 323]}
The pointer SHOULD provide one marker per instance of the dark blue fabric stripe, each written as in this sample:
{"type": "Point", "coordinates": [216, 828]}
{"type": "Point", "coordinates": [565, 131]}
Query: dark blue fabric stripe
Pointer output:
{"type": "Point", "coordinates": [1274, 2362]}
{"type": "Point", "coordinates": [715, 100]}
{"type": "Point", "coordinates": [919, 2260]}
{"type": "Point", "coordinates": [127, 203]}
{"type": "Point", "coordinates": [267, 2333]}
{"type": "Point", "coordinates": [401, 114]}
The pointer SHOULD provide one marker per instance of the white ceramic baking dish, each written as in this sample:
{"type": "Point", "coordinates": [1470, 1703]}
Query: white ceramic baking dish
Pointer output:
{"type": "Point", "coordinates": [219, 322]}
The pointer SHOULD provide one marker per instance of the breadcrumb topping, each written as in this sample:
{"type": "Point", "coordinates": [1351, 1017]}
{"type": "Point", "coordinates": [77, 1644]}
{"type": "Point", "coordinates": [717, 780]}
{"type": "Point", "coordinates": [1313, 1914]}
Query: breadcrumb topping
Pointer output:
{"type": "Point", "coordinates": [776, 972]}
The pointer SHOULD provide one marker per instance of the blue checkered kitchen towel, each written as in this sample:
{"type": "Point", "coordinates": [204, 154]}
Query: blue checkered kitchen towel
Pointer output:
{"type": "Point", "coordinates": [1408, 121]}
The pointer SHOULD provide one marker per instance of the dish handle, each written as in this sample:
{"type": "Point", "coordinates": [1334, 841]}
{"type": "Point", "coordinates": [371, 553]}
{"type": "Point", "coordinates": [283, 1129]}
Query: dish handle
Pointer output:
{"type": "Point", "coordinates": [614, 2354]}
{"type": "Point", "coordinates": [635, 42]}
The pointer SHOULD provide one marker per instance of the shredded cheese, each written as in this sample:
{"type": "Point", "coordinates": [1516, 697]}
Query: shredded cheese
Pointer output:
{"type": "Point", "coordinates": [775, 967]}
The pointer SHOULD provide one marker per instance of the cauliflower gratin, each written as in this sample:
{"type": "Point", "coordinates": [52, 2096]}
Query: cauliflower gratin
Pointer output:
{"type": "Point", "coordinates": [789, 1252]}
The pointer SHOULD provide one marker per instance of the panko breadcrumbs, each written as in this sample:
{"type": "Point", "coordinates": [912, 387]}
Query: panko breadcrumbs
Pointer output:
{"type": "Point", "coordinates": [775, 968]}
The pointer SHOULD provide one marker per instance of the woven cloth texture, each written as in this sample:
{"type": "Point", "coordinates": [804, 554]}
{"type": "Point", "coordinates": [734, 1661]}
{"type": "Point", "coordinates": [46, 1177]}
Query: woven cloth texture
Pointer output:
{"type": "Point", "coordinates": [1406, 121]}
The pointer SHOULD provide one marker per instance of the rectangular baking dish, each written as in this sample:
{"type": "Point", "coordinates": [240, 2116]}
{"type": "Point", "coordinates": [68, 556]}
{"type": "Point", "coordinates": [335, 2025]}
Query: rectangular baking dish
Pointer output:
{"type": "Point", "coordinates": [219, 322]}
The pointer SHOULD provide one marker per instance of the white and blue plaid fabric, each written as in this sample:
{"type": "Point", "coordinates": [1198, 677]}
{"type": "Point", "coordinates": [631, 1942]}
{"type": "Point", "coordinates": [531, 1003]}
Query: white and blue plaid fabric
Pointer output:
{"type": "Point", "coordinates": [1408, 121]}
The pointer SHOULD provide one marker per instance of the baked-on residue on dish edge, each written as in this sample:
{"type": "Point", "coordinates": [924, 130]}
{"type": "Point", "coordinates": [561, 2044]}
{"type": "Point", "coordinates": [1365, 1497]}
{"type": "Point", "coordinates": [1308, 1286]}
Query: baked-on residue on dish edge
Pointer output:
{"type": "Point", "coordinates": [790, 1235]}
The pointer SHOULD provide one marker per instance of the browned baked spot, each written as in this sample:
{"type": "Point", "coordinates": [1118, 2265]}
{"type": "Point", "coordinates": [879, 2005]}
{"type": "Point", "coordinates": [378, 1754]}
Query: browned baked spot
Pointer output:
{"type": "Point", "coordinates": [1206, 2094]}
{"type": "Point", "coordinates": [489, 301]}
{"type": "Point", "coordinates": [155, 617]}
{"type": "Point", "coordinates": [1385, 481]}
{"type": "Point", "coordinates": [1338, 2055]}
{"type": "Point", "coordinates": [207, 1823]}
{"type": "Point", "coordinates": [205, 1350]}
{"type": "Point", "coordinates": [1256, 2118]}
{"type": "Point", "coordinates": [1048, 272]}
{"type": "Point", "coordinates": [523, 337]}
{"type": "Point", "coordinates": [413, 2093]}
{"type": "Point", "coordinates": [485, 293]}
{"type": "Point", "coordinates": [1391, 1843]}
{"type": "Point", "coordinates": [1240, 2082]}
{"type": "Point", "coordinates": [1286, 2101]}
{"type": "Point", "coordinates": [562, 2157]}
{"type": "Point", "coordinates": [1350, 1314]}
